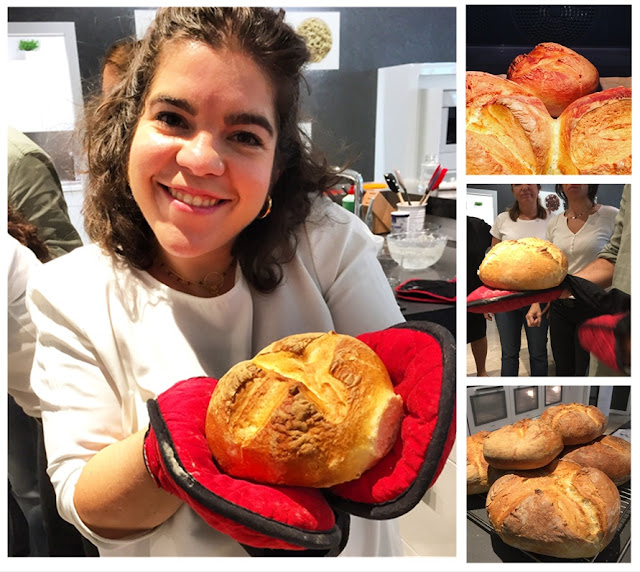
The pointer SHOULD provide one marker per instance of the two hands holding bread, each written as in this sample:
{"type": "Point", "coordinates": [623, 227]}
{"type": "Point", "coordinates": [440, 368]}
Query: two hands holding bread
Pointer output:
{"type": "Point", "coordinates": [546, 117]}
{"type": "Point", "coordinates": [317, 426]}
{"type": "Point", "coordinates": [540, 474]}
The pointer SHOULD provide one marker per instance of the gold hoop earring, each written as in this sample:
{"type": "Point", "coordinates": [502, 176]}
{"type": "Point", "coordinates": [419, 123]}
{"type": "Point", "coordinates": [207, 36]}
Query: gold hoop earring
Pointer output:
{"type": "Point", "coordinates": [267, 210]}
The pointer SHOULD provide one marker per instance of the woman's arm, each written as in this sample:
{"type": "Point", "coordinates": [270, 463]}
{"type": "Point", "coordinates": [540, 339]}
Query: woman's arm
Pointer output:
{"type": "Point", "coordinates": [494, 241]}
{"type": "Point", "coordinates": [115, 496]}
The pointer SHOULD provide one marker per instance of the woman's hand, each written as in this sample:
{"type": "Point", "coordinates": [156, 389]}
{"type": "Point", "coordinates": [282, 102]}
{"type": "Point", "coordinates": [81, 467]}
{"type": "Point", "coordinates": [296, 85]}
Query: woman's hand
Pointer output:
{"type": "Point", "coordinates": [534, 315]}
{"type": "Point", "coordinates": [488, 317]}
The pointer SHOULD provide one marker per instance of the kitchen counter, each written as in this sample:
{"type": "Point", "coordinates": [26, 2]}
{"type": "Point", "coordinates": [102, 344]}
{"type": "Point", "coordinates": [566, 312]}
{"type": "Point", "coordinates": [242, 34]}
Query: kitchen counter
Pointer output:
{"type": "Point", "coordinates": [444, 269]}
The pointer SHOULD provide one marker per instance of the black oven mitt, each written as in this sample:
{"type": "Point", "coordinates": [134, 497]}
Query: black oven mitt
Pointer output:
{"type": "Point", "coordinates": [280, 520]}
{"type": "Point", "coordinates": [419, 290]}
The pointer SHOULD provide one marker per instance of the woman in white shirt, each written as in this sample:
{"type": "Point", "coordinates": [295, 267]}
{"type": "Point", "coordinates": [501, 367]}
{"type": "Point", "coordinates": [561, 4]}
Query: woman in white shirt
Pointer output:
{"type": "Point", "coordinates": [580, 232]}
{"type": "Point", "coordinates": [526, 217]}
{"type": "Point", "coordinates": [211, 239]}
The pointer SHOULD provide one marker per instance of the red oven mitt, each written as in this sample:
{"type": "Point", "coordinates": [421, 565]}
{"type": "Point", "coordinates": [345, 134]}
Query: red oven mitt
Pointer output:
{"type": "Point", "coordinates": [608, 338]}
{"type": "Point", "coordinates": [419, 290]}
{"type": "Point", "coordinates": [489, 300]}
{"type": "Point", "coordinates": [420, 358]}
{"type": "Point", "coordinates": [260, 516]}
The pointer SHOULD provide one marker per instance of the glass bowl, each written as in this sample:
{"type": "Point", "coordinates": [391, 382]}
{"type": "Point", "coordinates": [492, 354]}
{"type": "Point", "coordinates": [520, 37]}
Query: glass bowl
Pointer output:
{"type": "Point", "coordinates": [416, 250]}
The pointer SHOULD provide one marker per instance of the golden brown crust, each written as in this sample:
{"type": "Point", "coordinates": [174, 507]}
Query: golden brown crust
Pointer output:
{"type": "Point", "coordinates": [594, 134]}
{"type": "Point", "coordinates": [311, 409]}
{"type": "Point", "coordinates": [509, 131]}
{"type": "Point", "coordinates": [524, 264]}
{"type": "Point", "coordinates": [556, 74]}
{"type": "Point", "coordinates": [480, 475]}
{"type": "Point", "coordinates": [575, 422]}
{"type": "Point", "coordinates": [527, 444]}
{"type": "Point", "coordinates": [607, 453]}
{"type": "Point", "coordinates": [566, 511]}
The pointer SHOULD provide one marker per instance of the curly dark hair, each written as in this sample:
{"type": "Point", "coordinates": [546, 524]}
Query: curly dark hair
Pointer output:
{"type": "Point", "coordinates": [27, 234]}
{"type": "Point", "coordinates": [112, 217]}
{"type": "Point", "coordinates": [591, 194]}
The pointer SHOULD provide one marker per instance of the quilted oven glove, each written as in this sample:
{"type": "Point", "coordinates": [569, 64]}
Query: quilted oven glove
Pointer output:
{"type": "Point", "coordinates": [275, 519]}
{"type": "Point", "coordinates": [419, 290]}
{"type": "Point", "coordinates": [608, 337]}
{"type": "Point", "coordinates": [489, 300]}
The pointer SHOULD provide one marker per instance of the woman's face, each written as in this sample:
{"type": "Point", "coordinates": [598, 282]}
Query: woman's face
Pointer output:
{"type": "Point", "coordinates": [202, 155]}
{"type": "Point", "coordinates": [575, 191]}
{"type": "Point", "coordinates": [525, 193]}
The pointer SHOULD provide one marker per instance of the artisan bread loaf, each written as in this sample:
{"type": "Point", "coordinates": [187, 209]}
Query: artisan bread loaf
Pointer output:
{"type": "Point", "coordinates": [607, 453]}
{"type": "Point", "coordinates": [555, 74]}
{"type": "Point", "coordinates": [575, 422]}
{"type": "Point", "coordinates": [508, 131]}
{"type": "Point", "coordinates": [524, 264]}
{"type": "Point", "coordinates": [594, 134]}
{"type": "Point", "coordinates": [567, 511]}
{"type": "Point", "coordinates": [480, 475]}
{"type": "Point", "coordinates": [312, 410]}
{"type": "Point", "coordinates": [526, 444]}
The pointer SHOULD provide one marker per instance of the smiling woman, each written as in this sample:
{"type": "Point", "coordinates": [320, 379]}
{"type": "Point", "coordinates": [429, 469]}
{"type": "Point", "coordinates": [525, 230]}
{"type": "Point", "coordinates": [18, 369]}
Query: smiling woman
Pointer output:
{"type": "Point", "coordinates": [211, 239]}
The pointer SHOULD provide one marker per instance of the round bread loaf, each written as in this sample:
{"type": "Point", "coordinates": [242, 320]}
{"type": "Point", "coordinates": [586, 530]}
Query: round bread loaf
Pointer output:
{"type": "Point", "coordinates": [567, 511]}
{"type": "Point", "coordinates": [527, 444]}
{"type": "Point", "coordinates": [508, 131]}
{"type": "Point", "coordinates": [524, 264]}
{"type": "Point", "coordinates": [480, 475]}
{"type": "Point", "coordinates": [555, 74]}
{"type": "Point", "coordinates": [575, 422]}
{"type": "Point", "coordinates": [607, 453]}
{"type": "Point", "coordinates": [310, 410]}
{"type": "Point", "coordinates": [594, 134]}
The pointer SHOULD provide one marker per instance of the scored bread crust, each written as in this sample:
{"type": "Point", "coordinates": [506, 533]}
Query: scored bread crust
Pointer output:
{"type": "Point", "coordinates": [566, 511]}
{"type": "Point", "coordinates": [575, 422]}
{"type": "Point", "coordinates": [525, 264]}
{"type": "Point", "coordinates": [607, 453]}
{"type": "Point", "coordinates": [508, 131]}
{"type": "Point", "coordinates": [556, 74]}
{"type": "Point", "coordinates": [594, 134]}
{"type": "Point", "coordinates": [312, 409]}
{"type": "Point", "coordinates": [526, 444]}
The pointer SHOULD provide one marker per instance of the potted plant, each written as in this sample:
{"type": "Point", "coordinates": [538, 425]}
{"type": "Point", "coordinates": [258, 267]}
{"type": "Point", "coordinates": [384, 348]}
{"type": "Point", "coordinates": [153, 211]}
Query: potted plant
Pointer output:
{"type": "Point", "coordinates": [28, 45]}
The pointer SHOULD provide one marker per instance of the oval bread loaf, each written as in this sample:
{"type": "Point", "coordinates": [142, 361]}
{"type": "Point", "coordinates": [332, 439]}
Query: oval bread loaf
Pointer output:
{"type": "Point", "coordinates": [526, 444]}
{"type": "Point", "coordinates": [524, 264]}
{"type": "Point", "coordinates": [567, 511]}
{"type": "Point", "coordinates": [575, 422]}
{"type": "Point", "coordinates": [556, 74]}
{"type": "Point", "coordinates": [311, 410]}
{"type": "Point", "coordinates": [607, 453]}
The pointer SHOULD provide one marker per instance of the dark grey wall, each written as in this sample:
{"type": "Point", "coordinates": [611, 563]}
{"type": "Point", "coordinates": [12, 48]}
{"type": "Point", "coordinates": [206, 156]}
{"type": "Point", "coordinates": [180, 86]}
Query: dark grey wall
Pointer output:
{"type": "Point", "coordinates": [607, 194]}
{"type": "Point", "coordinates": [342, 102]}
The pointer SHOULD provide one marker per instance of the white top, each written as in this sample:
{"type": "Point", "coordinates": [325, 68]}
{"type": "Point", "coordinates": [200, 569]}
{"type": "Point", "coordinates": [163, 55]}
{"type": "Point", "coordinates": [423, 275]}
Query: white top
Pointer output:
{"type": "Point", "coordinates": [21, 337]}
{"type": "Point", "coordinates": [506, 229]}
{"type": "Point", "coordinates": [582, 247]}
{"type": "Point", "coordinates": [110, 337]}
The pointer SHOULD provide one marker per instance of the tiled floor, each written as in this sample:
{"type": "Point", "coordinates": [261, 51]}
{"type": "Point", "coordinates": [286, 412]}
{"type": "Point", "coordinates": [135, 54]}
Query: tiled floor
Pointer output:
{"type": "Point", "coordinates": [494, 353]}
